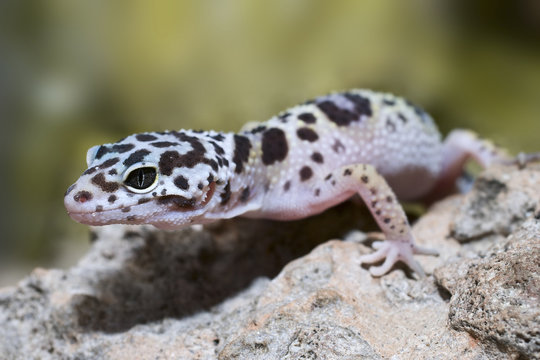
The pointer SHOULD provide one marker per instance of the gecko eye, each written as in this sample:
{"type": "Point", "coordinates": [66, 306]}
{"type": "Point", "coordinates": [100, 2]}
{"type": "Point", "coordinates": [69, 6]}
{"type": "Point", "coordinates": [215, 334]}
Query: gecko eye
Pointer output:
{"type": "Point", "coordinates": [141, 180]}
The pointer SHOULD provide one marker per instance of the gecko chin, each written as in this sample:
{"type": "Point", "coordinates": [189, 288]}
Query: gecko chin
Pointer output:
{"type": "Point", "coordinates": [148, 213]}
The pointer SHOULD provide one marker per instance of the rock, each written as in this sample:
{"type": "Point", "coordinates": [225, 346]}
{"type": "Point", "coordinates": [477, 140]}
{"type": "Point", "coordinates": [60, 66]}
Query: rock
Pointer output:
{"type": "Point", "coordinates": [497, 297]}
{"type": "Point", "coordinates": [499, 203]}
{"type": "Point", "coordinates": [206, 293]}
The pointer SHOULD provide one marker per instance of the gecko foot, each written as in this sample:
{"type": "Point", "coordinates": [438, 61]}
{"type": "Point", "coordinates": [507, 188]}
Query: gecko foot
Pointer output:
{"type": "Point", "coordinates": [393, 251]}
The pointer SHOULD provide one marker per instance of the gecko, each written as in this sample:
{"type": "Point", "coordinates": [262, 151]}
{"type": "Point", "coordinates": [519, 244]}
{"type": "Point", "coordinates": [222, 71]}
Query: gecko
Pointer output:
{"type": "Point", "coordinates": [306, 159]}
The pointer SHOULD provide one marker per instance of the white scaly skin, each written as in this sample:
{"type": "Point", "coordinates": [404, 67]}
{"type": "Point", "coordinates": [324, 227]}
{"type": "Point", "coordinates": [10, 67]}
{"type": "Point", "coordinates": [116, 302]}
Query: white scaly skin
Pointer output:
{"type": "Point", "coordinates": [307, 159]}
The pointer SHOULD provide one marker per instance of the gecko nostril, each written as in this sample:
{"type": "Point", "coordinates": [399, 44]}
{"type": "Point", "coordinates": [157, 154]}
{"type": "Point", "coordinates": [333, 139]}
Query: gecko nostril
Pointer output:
{"type": "Point", "coordinates": [82, 196]}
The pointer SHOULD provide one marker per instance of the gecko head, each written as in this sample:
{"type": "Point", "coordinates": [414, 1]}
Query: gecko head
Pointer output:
{"type": "Point", "coordinates": [164, 179]}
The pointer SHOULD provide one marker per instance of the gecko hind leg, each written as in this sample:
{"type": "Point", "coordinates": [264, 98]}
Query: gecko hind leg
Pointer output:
{"type": "Point", "coordinates": [460, 146]}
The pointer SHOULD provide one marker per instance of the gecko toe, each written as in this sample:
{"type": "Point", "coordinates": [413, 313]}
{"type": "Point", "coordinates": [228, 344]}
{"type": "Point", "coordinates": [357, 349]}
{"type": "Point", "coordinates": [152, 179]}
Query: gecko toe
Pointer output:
{"type": "Point", "coordinates": [420, 250]}
{"type": "Point", "coordinates": [390, 260]}
{"type": "Point", "coordinates": [378, 255]}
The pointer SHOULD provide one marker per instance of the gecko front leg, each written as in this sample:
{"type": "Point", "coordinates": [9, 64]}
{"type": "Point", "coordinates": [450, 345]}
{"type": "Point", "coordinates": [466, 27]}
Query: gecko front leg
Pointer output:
{"type": "Point", "coordinates": [387, 211]}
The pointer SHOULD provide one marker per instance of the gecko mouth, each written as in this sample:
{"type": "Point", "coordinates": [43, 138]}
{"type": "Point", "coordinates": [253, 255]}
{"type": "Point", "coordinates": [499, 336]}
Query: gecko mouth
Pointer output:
{"type": "Point", "coordinates": [142, 212]}
{"type": "Point", "coordinates": [180, 203]}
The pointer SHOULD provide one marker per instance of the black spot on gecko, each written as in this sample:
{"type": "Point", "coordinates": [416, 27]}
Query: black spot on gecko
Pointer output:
{"type": "Point", "coordinates": [365, 179]}
{"type": "Point", "coordinates": [373, 191]}
{"type": "Point", "coordinates": [362, 105]}
{"type": "Point", "coordinates": [210, 178]}
{"type": "Point", "coordinates": [82, 196]}
{"type": "Point", "coordinates": [136, 157]}
{"type": "Point", "coordinates": [317, 192]}
{"type": "Point", "coordinates": [154, 194]}
{"type": "Point", "coordinates": [419, 111]}
{"type": "Point", "coordinates": [244, 196]}
{"type": "Point", "coordinates": [389, 102]}
{"type": "Point", "coordinates": [389, 199]}
{"type": "Point", "coordinates": [163, 192]}
{"type": "Point", "coordinates": [218, 137]}
{"type": "Point", "coordinates": [386, 220]}
{"type": "Point", "coordinates": [118, 148]}
{"type": "Point", "coordinates": [402, 117]}
{"type": "Point", "coordinates": [338, 147]}
{"type": "Point", "coordinates": [219, 150]}
{"type": "Point", "coordinates": [107, 186]}
{"type": "Point", "coordinates": [258, 129]}
{"type": "Point", "coordinates": [172, 159]}
{"type": "Point", "coordinates": [181, 182]}
{"type": "Point", "coordinates": [176, 201]}
{"type": "Point", "coordinates": [70, 189]}
{"type": "Point", "coordinates": [374, 203]}
{"type": "Point", "coordinates": [131, 218]}
{"type": "Point", "coordinates": [99, 208]}
{"type": "Point", "coordinates": [283, 117]}
{"type": "Point", "coordinates": [145, 137]}
{"type": "Point", "coordinates": [226, 194]}
{"type": "Point", "coordinates": [112, 199]}
{"type": "Point", "coordinates": [242, 146]}
{"type": "Point", "coordinates": [378, 212]}
{"type": "Point", "coordinates": [126, 209]}
{"type": "Point", "coordinates": [90, 170]}
{"type": "Point", "coordinates": [306, 173]}
{"type": "Point", "coordinates": [106, 164]}
{"type": "Point", "coordinates": [113, 172]}
{"type": "Point", "coordinates": [390, 125]}
{"type": "Point", "coordinates": [347, 172]}
{"type": "Point", "coordinates": [328, 177]}
{"type": "Point", "coordinates": [317, 157]}
{"type": "Point", "coordinates": [164, 144]}
{"type": "Point", "coordinates": [307, 134]}
{"type": "Point", "coordinates": [200, 186]}
{"type": "Point", "coordinates": [143, 201]}
{"type": "Point", "coordinates": [213, 164]}
{"type": "Point", "coordinates": [308, 118]}
{"type": "Point", "coordinates": [274, 146]}
{"type": "Point", "coordinates": [342, 117]}
{"type": "Point", "coordinates": [287, 186]}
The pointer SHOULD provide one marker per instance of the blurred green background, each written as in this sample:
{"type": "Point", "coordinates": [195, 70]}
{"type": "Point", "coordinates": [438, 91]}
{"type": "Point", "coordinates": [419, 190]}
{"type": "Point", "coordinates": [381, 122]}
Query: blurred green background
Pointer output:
{"type": "Point", "coordinates": [79, 73]}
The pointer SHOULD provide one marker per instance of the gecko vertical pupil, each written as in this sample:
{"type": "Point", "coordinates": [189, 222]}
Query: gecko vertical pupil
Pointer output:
{"type": "Point", "coordinates": [141, 178]}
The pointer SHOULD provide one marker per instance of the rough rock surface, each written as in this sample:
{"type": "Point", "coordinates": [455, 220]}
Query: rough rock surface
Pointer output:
{"type": "Point", "coordinates": [206, 293]}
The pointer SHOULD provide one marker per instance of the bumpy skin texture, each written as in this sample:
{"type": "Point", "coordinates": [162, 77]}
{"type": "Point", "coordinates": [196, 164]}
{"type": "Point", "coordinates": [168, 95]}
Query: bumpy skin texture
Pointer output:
{"type": "Point", "coordinates": [297, 164]}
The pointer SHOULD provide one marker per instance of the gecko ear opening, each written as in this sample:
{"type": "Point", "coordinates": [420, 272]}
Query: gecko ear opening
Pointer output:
{"type": "Point", "coordinates": [91, 154]}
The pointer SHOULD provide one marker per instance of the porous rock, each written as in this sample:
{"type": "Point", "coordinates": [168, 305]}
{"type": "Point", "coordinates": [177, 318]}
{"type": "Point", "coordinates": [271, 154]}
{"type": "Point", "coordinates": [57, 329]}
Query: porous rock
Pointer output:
{"type": "Point", "coordinates": [497, 297]}
{"type": "Point", "coordinates": [251, 289]}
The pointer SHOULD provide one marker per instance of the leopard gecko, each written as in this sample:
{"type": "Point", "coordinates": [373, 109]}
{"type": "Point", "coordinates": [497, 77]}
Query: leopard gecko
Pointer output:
{"type": "Point", "coordinates": [299, 163]}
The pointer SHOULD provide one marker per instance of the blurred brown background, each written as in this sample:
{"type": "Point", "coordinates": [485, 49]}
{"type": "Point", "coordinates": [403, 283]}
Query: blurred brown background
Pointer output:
{"type": "Point", "coordinates": [79, 73]}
